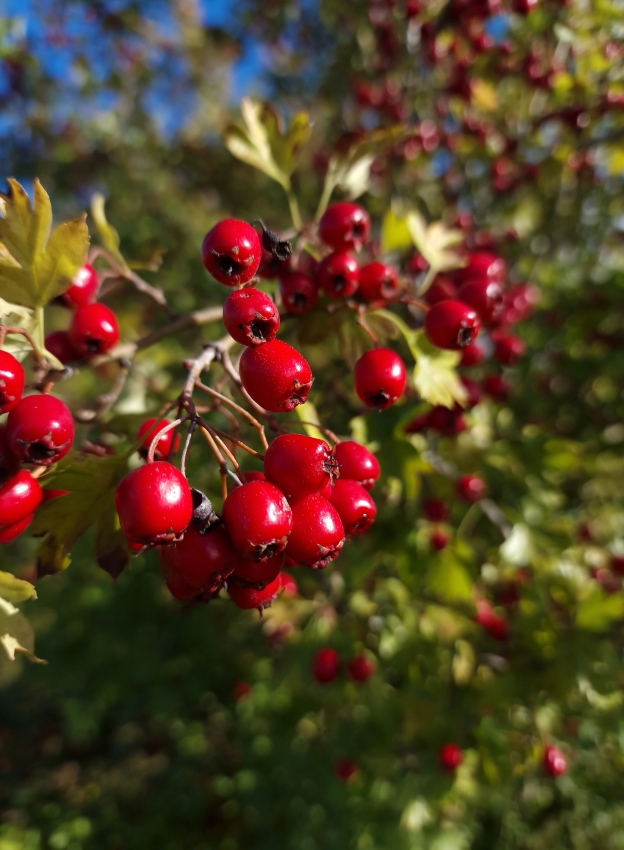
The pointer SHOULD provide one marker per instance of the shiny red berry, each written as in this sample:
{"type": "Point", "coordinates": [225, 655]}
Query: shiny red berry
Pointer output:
{"type": "Point", "coordinates": [497, 388]}
{"type": "Point", "coordinates": [59, 344]}
{"type": "Point", "coordinates": [484, 295]}
{"type": "Point", "coordinates": [20, 496]}
{"type": "Point", "coordinates": [288, 584]}
{"type": "Point", "coordinates": [83, 288]}
{"type": "Point", "coordinates": [435, 510]}
{"type": "Point", "coordinates": [250, 316]}
{"type": "Point", "coordinates": [40, 430]}
{"type": "Point", "coordinates": [452, 325]}
{"type": "Point", "coordinates": [555, 763]}
{"type": "Point", "coordinates": [168, 443]}
{"type": "Point", "coordinates": [203, 561]}
{"type": "Point", "coordinates": [12, 532]}
{"type": "Point", "coordinates": [471, 355]}
{"type": "Point", "coordinates": [258, 519]}
{"type": "Point", "coordinates": [249, 597]}
{"type": "Point", "coordinates": [325, 665]}
{"type": "Point", "coordinates": [12, 380]}
{"type": "Point", "coordinates": [93, 330]}
{"type": "Point", "coordinates": [471, 488]}
{"type": "Point", "coordinates": [509, 349]}
{"type": "Point", "coordinates": [258, 573]}
{"type": "Point", "coordinates": [482, 264]}
{"type": "Point", "coordinates": [357, 463]}
{"type": "Point", "coordinates": [154, 503]}
{"type": "Point", "coordinates": [442, 289]}
{"type": "Point", "coordinates": [299, 465]}
{"type": "Point", "coordinates": [317, 534]}
{"type": "Point", "coordinates": [378, 282]}
{"type": "Point", "coordinates": [439, 539]}
{"type": "Point", "coordinates": [380, 377]}
{"type": "Point", "coordinates": [231, 252]}
{"type": "Point", "coordinates": [299, 293]}
{"type": "Point", "coordinates": [338, 275]}
{"type": "Point", "coordinates": [360, 668]}
{"type": "Point", "coordinates": [276, 376]}
{"type": "Point", "coordinates": [344, 225]}
{"type": "Point", "coordinates": [355, 507]}
{"type": "Point", "coordinates": [450, 757]}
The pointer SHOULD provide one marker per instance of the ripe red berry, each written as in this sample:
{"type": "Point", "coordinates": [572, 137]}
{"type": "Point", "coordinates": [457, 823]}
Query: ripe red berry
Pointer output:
{"type": "Point", "coordinates": [482, 264]}
{"type": "Point", "coordinates": [450, 757]}
{"type": "Point", "coordinates": [20, 496]}
{"type": "Point", "coordinates": [344, 225]}
{"type": "Point", "coordinates": [355, 507]}
{"type": "Point", "coordinates": [435, 510]}
{"type": "Point", "coordinates": [276, 376]}
{"type": "Point", "coordinates": [439, 539]}
{"type": "Point", "coordinates": [249, 597]}
{"type": "Point", "coordinates": [471, 488]}
{"type": "Point", "coordinates": [447, 422]}
{"type": "Point", "coordinates": [442, 289]}
{"type": "Point", "coordinates": [168, 443]}
{"type": "Point", "coordinates": [12, 532]}
{"type": "Point", "coordinates": [471, 355]}
{"type": "Point", "coordinates": [380, 377]}
{"type": "Point", "coordinates": [555, 763]}
{"type": "Point", "coordinates": [509, 349]}
{"type": "Point", "coordinates": [154, 503]}
{"type": "Point", "coordinates": [178, 588]}
{"type": "Point", "coordinates": [299, 465]}
{"type": "Point", "coordinates": [496, 626]}
{"type": "Point", "coordinates": [299, 293]}
{"type": "Point", "coordinates": [288, 584]}
{"type": "Point", "coordinates": [231, 252]}
{"type": "Point", "coordinates": [496, 387]}
{"type": "Point", "coordinates": [12, 380]}
{"type": "Point", "coordinates": [360, 668]}
{"type": "Point", "coordinates": [93, 330]}
{"type": "Point", "coordinates": [473, 393]}
{"type": "Point", "coordinates": [338, 275]}
{"type": "Point", "coordinates": [317, 534]}
{"type": "Point", "coordinates": [325, 665]}
{"type": "Point", "coordinates": [452, 325]}
{"type": "Point", "coordinates": [203, 561]}
{"type": "Point", "coordinates": [258, 519]}
{"type": "Point", "coordinates": [378, 281]}
{"type": "Point", "coordinates": [484, 295]}
{"type": "Point", "coordinates": [7, 458]}
{"type": "Point", "coordinates": [40, 430]}
{"type": "Point", "coordinates": [357, 463]}
{"type": "Point", "coordinates": [617, 564]}
{"type": "Point", "coordinates": [83, 288]}
{"type": "Point", "coordinates": [257, 573]}
{"type": "Point", "coordinates": [345, 769]}
{"type": "Point", "coordinates": [59, 344]}
{"type": "Point", "coordinates": [250, 316]}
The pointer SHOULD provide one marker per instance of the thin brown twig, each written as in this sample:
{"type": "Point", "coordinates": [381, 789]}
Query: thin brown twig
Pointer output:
{"type": "Point", "coordinates": [220, 459]}
{"type": "Point", "coordinates": [240, 410]}
{"type": "Point", "coordinates": [154, 292]}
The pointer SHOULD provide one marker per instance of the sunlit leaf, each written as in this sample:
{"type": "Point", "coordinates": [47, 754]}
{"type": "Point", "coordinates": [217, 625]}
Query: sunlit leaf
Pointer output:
{"type": "Point", "coordinates": [395, 234]}
{"type": "Point", "coordinates": [16, 634]}
{"type": "Point", "coordinates": [15, 589]}
{"type": "Point", "coordinates": [449, 580]}
{"type": "Point", "coordinates": [599, 611]}
{"type": "Point", "coordinates": [108, 234]}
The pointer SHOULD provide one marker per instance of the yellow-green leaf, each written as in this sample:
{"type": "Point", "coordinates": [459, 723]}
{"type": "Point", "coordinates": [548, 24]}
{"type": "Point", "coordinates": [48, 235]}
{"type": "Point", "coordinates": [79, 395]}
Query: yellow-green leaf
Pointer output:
{"type": "Point", "coordinates": [16, 634]}
{"type": "Point", "coordinates": [15, 589]}
{"type": "Point", "coordinates": [395, 234]}
{"type": "Point", "coordinates": [435, 242]}
{"type": "Point", "coordinates": [309, 417]}
{"type": "Point", "coordinates": [449, 580]}
{"type": "Point", "coordinates": [598, 611]}
{"type": "Point", "coordinates": [109, 235]}
{"type": "Point", "coordinates": [435, 374]}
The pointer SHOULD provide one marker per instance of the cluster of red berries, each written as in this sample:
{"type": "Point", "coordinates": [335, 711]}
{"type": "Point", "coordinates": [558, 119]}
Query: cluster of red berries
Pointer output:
{"type": "Point", "coordinates": [326, 666]}
{"type": "Point", "coordinates": [93, 329]}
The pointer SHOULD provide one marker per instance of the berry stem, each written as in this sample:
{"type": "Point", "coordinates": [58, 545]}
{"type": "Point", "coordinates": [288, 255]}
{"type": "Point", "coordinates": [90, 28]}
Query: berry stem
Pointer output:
{"type": "Point", "coordinates": [240, 410]}
{"type": "Point", "coordinates": [154, 292]}
{"type": "Point", "coordinates": [169, 427]}
{"type": "Point", "coordinates": [187, 443]}
{"type": "Point", "coordinates": [220, 459]}
{"type": "Point", "coordinates": [105, 402]}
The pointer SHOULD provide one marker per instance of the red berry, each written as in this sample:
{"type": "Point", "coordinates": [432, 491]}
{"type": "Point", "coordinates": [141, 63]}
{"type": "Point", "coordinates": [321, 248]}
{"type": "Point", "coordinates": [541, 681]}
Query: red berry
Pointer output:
{"type": "Point", "coordinates": [439, 539]}
{"type": "Point", "coordinates": [257, 572]}
{"type": "Point", "coordinates": [59, 344]}
{"type": "Point", "coordinates": [178, 588]}
{"type": "Point", "coordinates": [482, 264]}
{"type": "Point", "coordinates": [555, 763]}
{"type": "Point", "coordinates": [250, 316]}
{"type": "Point", "coordinates": [231, 252]}
{"type": "Point", "coordinates": [360, 668]}
{"type": "Point", "coordinates": [484, 295]}
{"type": "Point", "coordinates": [471, 488]}
{"type": "Point", "coordinates": [20, 496]}
{"type": "Point", "coordinates": [452, 325]}
{"type": "Point", "coordinates": [93, 330]}
{"type": "Point", "coordinates": [325, 665]}
{"type": "Point", "coordinates": [345, 769]}
{"type": "Point", "coordinates": [450, 758]}
{"type": "Point", "coordinates": [338, 275]}
{"type": "Point", "coordinates": [7, 458]}
{"type": "Point", "coordinates": [276, 376]}
{"type": "Point", "coordinates": [248, 597]}
{"type": "Point", "coordinates": [378, 281]}
{"type": "Point", "coordinates": [442, 289]}
{"type": "Point", "coordinates": [288, 584]}
{"type": "Point", "coordinates": [154, 503]}
{"type": "Point", "coordinates": [299, 293]}
{"type": "Point", "coordinates": [299, 465]}
{"type": "Point", "coordinates": [251, 475]}
{"type": "Point", "coordinates": [12, 532]}
{"type": "Point", "coordinates": [496, 387]}
{"type": "Point", "coordinates": [40, 430]}
{"type": "Point", "coordinates": [344, 225]}
{"type": "Point", "coordinates": [509, 349]}
{"type": "Point", "coordinates": [355, 507]}
{"type": "Point", "coordinates": [617, 564]}
{"type": "Point", "coordinates": [446, 421]}
{"type": "Point", "coordinates": [493, 624]}
{"type": "Point", "coordinates": [258, 519]}
{"type": "Point", "coordinates": [317, 534]}
{"type": "Point", "coordinates": [168, 443]}
{"type": "Point", "coordinates": [380, 377]}
{"type": "Point", "coordinates": [473, 393]}
{"type": "Point", "coordinates": [203, 561]}
{"type": "Point", "coordinates": [83, 288]}
{"type": "Point", "coordinates": [12, 380]}
{"type": "Point", "coordinates": [471, 355]}
{"type": "Point", "coordinates": [357, 463]}
{"type": "Point", "coordinates": [435, 510]}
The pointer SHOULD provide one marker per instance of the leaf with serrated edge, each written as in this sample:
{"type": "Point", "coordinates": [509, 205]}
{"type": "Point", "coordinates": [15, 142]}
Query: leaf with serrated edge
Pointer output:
{"type": "Point", "coordinates": [16, 634]}
{"type": "Point", "coordinates": [252, 144]}
{"type": "Point", "coordinates": [109, 235]}
{"type": "Point", "coordinates": [14, 589]}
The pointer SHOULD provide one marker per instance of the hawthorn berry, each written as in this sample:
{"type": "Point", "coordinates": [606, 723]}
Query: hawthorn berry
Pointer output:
{"type": "Point", "coordinates": [202, 560]}
{"type": "Point", "coordinates": [20, 496]}
{"type": "Point", "coordinates": [12, 532]}
{"type": "Point", "coordinates": [257, 573]}
{"type": "Point", "coordinates": [442, 289]}
{"type": "Point", "coordinates": [473, 392]}
{"type": "Point", "coordinates": [452, 325]}
{"type": "Point", "coordinates": [12, 380]}
{"type": "Point", "coordinates": [177, 587]}
{"type": "Point", "coordinates": [496, 387]}
{"type": "Point", "coordinates": [357, 463]}
{"type": "Point", "coordinates": [40, 430]}
{"type": "Point", "coordinates": [379, 377]}
{"type": "Point", "coordinates": [276, 376]}
{"type": "Point", "coordinates": [355, 507]}
{"type": "Point", "coordinates": [360, 668]}
{"type": "Point", "coordinates": [93, 330]}
{"type": "Point", "coordinates": [484, 295]}
{"type": "Point", "coordinates": [617, 564]}
{"type": "Point", "coordinates": [338, 275]}
{"type": "Point", "coordinates": [509, 349]}
{"type": "Point", "coordinates": [299, 465]}
{"type": "Point", "coordinates": [471, 355]}
{"type": "Point", "coordinates": [446, 421]}
{"type": "Point", "coordinates": [83, 289]}
{"type": "Point", "coordinates": [250, 597]}
{"type": "Point", "coordinates": [231, 252]}
{"type": "Point", "coordinates": [344, 225]}
{"type": "Point", "coordinates": [495, 625]}
{"type": "Point", "coordinates": [555, 763]}
{"type": "Point", "coordinates": [435, 510]}
{"type": "Point", "coordinates": [439, 539]}
{"type": "Point", "coordinates": [168, 443]}
{"type": "Point", "coordinates": [154, 504]}
{"type": "Point", "coordinates": [7, 458]}
{"type": "Point", "coordinates": [378, 282]}
{"type": "Point", "coordinates": [345, 769]}
{"type": "Point", "coordinates": [450, 757]}
{"type": "Point", "coordinates": [250, 316]}
{"type": "Point", "coordinates": [299, 293]}
{"type": "Point", "coordinates": [482, 264]}
{"type": "Point", "coordinates": [471, 488]}
{"type": "Point", "coordinates": [288, 584]}
{"type": "Point", "coordinates": [59, 344]}
{"type": "Point", "coordinates": [258, 519]}
{"type": "Point", "coordinates": [317, 532]}
{"type": "Point", "coordinates": [325, 665]}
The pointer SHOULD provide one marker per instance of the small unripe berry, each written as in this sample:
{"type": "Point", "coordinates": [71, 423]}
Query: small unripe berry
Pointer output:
{"type": "Point", "coordinates": [154, 504]}
{"type": "Point", "coordinates": [40, 430]}
{"type": "Point", "coordinates": [380, 377]}
{"type": "Point", "coordinates": [276, 376]}
{"type": "Point", "coordinates": [12, 380]}
{"type": "Point", "coordinates": [250, 316]}
{"type": "Point", "coordinates": [357, 463]}
{"type": "Point", "coordinates": [258, 519]}
{"type": "Point", "coordinates": [168, 443]}
{"type": "Point", "coordinates": [325, 665]}
{"type": "Point", "coordinates": [344, 225]}
{"type": "Point", "coordinates": [83, 288]}
{"type": "Point", "coordinates": [93, 330]}
{"type": "Point", "coordinates": [451, 325]}
{"type": "Point", "coordinates": [231, 252]}
{"type": "Point", "coordinates": [299, 465]}
{"type": "Point", "coordinates": [338, 275]}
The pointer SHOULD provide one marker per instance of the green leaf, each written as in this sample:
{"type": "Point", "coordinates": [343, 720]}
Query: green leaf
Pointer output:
{"type": "Point", "coordinates": [36, 262]}
{"type": "Point", "coordinates": [449, 580]}
{"type": "Point", "coordinates": [395, 234]}
{"type": "Point", "coordinates": [309, 417]}
{"type": "Point", "coordinates": [109, 235]}
{"type": "Point", "coordinates": [15, 589]}
{"type": "Point", "coordinates": [16, 634]}
{"type": "Point", "coordinates": [598, 611]}
{"type": "Point", "coordinates": [111, 552]}
{"type": "Point", "coordinates": [435, 241]}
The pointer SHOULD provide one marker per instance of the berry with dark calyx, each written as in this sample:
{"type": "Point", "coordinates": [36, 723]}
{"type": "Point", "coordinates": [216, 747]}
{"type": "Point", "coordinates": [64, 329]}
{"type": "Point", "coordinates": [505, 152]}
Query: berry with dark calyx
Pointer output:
{"type": "Point", "coordinates": [471, 488]}
{"type": "Point", "coordinates": [20, 496]}
{"type": "Point", "coordinates": [93, 330]}
{"type": "Point", "coordinates": [12, 380]}
{"type": "Point", "coordinates": [357, 463]}
{"type": "Point", "coordinates": [12, 532]}
{"type": "Point", "coordinates": [555, 763]}
{"type": "Point", "coordinates": [59, 344]}
{"type": "Point", "coordinates": [355, 507]}
{"type": "Point", "coordinates": [380, 377]}
{"type": "Point", "coordinates": [250, 316]}
{"type": "Point", "coordinates": [299, 465]}
{"type": "Point", "coordinates": [83, 289]}
{"type": "Point", "coordinates": [299, 293]}
{"type": "Point", "coordinates": [452, 325]}
{"type": "Point", "coordinates": [276, 376]}
{"type": "Point", "coordinates": [435, 510]}
{"type": "Point", "coordinates": [450, 757]}
{"type": "Point", "coordinates": [250, 597]}
{"type": "Point", "coordinates": [482, 264]}
{"type": "Point", "coordinates": [258, 519]}
{"type": "Point", "coordinates": [288, 584]}
{"type": "Point", "coordinates": [203, 512]}
{"type": "Point", "coordinates": [378, 282]}
{"type": "Point", "coordinates": [325, 665]}
{"type": "Point", "coordinates": [484, 295]}
{"type": "Point", "coordinates": [509, 349]}
{"type": "Point", "coordinates": [442, 289]}
{"type": "Point", "coordinates": [345, 769]}
{"type": "Point", "coordinates": [154, 504]}
{"type": "Point", "coordinates": [202, 560]}
{"type": "Point", "coordinates": [317, 534]}
{"type": "Point", "coordinates": [231, 252]}
{"type": "Point", "coordinates": [471, 355]}
{"type": "Point", "coordinates": [40, 430]}
{"type": "Point", "coordinates": [497, 388]}
{"type": "Point", "coordinates": [257, 573]}
{"type": "Point", "coordinates": [439, 539]}
{"type": "Point", "coordinates": [360, 668]}
{"type": "Point", "coordinates": [273, 243]}
{"type": "Point", "coordinates": [338, 275]}
{"type": "Point", "coordinates": [168, 443]}
{"type": "Point", "coordinates": [344, 225]}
